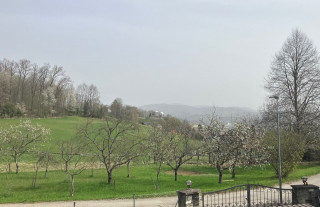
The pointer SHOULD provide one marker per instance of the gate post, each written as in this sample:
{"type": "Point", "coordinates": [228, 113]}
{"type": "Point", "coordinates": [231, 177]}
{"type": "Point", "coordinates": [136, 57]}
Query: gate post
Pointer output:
{"type": "Point", "coordinates": [302, 194]}
{"type": "Point", "coordinates": [189, 198]}
{"type": "Point", "coordinates": [248, 195]}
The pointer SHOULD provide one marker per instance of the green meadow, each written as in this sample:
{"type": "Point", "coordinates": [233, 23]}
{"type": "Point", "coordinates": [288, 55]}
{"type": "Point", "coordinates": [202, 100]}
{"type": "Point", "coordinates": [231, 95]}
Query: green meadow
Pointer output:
{"type": "Point", "coordinates": [56, 186]}
{"type": "Point", "coordinates": [92, 183]}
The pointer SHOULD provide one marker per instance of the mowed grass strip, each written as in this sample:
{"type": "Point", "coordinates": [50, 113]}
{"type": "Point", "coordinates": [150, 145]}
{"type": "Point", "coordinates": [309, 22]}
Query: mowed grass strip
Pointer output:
{"type": "Point", "coordinates": [56, 187]}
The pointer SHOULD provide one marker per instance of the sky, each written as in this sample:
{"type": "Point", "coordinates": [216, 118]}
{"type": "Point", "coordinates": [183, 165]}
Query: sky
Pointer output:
{"type": "Point", "coordinates": [192, 52]}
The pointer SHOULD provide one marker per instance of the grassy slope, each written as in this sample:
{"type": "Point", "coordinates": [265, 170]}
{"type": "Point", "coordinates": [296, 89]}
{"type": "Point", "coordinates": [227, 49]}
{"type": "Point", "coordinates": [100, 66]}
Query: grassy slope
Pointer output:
{"type": "Point", "coordinates": [17, 188]}
{"type": "Point", "coordinates": [61, 128]}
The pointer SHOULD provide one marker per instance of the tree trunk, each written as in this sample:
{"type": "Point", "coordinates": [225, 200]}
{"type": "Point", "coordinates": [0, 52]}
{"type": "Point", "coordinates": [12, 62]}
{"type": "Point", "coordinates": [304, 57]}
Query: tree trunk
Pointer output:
{"type": "Point", "coordinates": [176, 174]}
{"type": "Point", "coordinates": [35, 178]}
{"type": "Point", "coordinates": [198, 156]}
{"type": "Point", "coordinates": [7, 172]}
{"type": "Point", "coordinates": [233, 170]}
{"type": "Point", "coordinates": [128, 169]}
{"type": "Point", "coordinates": [17, 165]}
{"type": "Point", "coordinates": [72, 186]}
{"type": "Point", "coordinates": [157, 181]}
{"type": "Point", "coordinates": [220, 176]}
{"type": "Point", "coordinates": [66, 166]}
{"type": "Point", "coordinates": [158, 172]}
{"type": "Point", "coordinates": [210, 158]}
{"type": "Point", "coordinates": [45, 173]}
{"type": "Point", "coordinates": [9, 166]}
{"type": "Point", "coordinates": [109, 176]}
{"type": "Point", "coordinates": [220, 170]}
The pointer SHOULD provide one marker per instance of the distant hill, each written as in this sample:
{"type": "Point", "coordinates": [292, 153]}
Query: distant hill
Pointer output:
{"type": "Point", "coordinates": [194, 113]}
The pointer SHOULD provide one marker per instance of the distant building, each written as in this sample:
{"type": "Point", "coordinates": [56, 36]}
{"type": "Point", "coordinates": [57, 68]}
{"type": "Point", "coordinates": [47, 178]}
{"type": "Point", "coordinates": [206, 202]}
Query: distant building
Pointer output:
{"type": "Point", "coordinates": [156, 114]}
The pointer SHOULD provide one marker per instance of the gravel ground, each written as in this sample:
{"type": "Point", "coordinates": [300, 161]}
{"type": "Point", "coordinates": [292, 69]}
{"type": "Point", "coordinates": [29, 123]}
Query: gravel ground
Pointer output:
{"type": "Point", "coordinates": [143, 202]}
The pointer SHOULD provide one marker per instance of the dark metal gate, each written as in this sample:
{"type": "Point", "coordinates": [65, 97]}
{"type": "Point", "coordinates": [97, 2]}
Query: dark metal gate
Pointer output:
{"type": "Point", "coordinates": [249, 195]}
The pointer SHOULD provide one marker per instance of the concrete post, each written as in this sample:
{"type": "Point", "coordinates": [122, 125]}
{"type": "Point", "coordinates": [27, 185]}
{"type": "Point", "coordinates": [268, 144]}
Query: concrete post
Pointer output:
{"type": "Point", "coordinates": [189, 198]}
{"type": "Point", "coordinates": [302, 194]}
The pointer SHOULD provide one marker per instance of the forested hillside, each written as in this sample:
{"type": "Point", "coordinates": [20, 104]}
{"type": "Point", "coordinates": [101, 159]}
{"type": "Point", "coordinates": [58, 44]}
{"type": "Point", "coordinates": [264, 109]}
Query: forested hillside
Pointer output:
{"type": "Point", "coordinates": [27, 88]}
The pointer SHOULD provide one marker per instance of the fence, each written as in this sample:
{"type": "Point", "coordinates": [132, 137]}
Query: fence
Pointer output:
{"type": "Point", "coordinates": [249, 195]}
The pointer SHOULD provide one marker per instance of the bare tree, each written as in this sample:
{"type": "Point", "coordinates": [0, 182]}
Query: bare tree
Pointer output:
{"type": "Point", "coordinates": [158, 142]}
{"type": "Point", "coordinates": [181, 147]}
{"type": "Point", "coordinates": [42, 80]}
{"type": "Point", "coordinates": [75, 159]}
{"type": "Point", "coordinates": [9, 67]}
{"type": "Point", "coordinates": [24, 68]}
{"type": "Point", "coordinates": [77, 166]}
{"type": "Point", "coordinates": [295, 77]}
{"type": "Point", "coordinates": [68, 149]}
{"type": "Point", "coordinates": [33, 85]}
{"type": "Point", "coordinates": [112, 142]}
{"type": "Point", "coordinates": [4, 88]}
{"type": "Point", "coordinates": [87, 98]}
{"type": "Point", "coordinates": [43, 159]}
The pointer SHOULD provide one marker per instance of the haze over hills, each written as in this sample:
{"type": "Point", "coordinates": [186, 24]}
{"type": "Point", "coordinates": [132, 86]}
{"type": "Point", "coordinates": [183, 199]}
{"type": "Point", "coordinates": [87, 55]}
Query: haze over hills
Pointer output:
{"type": "Point", "coordinates": [194, 113]}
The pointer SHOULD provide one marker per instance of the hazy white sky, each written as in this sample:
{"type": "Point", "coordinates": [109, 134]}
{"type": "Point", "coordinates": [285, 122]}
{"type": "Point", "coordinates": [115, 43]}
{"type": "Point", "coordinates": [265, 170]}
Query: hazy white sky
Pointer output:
{"type": "Point", "coordinates": [194, 52]}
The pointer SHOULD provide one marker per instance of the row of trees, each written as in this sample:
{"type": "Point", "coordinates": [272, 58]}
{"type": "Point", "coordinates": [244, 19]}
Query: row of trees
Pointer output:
{"type": "Point", "coordinates": [169, 141]}
{"type": "Point", "coordinates": [113, 143]}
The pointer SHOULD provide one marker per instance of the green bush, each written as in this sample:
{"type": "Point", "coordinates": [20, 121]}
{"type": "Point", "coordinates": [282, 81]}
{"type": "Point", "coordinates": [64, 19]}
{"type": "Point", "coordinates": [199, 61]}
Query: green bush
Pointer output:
{"type": "Point", "coordinates": [10, 110]}
{"type": "Point", "coordinates": [292, 148]}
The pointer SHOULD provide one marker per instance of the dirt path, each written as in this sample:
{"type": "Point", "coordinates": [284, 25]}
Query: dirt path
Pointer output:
{"type": "Point", "coordinates": [143, 202]}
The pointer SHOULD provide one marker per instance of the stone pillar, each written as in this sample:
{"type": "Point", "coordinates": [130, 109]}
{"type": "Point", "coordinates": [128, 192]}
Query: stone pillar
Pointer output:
{"type": "Point", "coordinates": [189, 198]}
{"type": "Point", "coordinates": [302, 194]}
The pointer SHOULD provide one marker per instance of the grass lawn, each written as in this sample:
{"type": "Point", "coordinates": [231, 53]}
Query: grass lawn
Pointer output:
{"type": "Point", "coordinates": [17, 188]}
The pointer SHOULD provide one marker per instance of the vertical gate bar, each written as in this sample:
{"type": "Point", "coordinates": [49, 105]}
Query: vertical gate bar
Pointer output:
{"type": "Point", "coordinates": [264, 196]}
{"type": "Point", "coordinates": [134, 200]}
{"type": "Point", "coordinates": [222, 199]}
{"type": "Point", "coordinates": [260, 196]}
{"type": "Point", "coordinates": [285, 197]}
{"type": "Point", "coordinates": [271, 191]}
{"type": "Point", "coordinates": [267, 195]}
{"type": "Point", "coordinates": [202, 200]}
{"type": "Point", "coordinates": [248, 195]}
{"type": "Point", "coordinates": [233, 198]}
{"type": "Point", "coordinates": [225, 198]}
{"type": "Point", "coordinates": [252, 197]}
{"type": "Point", "coordinates": [226, 195]}
{"type": "Point", "coordinates": [240, 195]}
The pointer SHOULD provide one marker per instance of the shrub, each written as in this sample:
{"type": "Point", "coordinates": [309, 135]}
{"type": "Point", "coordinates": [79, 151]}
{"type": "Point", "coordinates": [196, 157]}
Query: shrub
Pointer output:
{"type": "Point", "coordinates": [292, 148]}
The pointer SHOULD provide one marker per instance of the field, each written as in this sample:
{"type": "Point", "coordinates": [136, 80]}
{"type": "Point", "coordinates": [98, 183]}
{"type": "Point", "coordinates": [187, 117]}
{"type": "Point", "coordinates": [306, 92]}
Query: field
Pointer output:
{"type": "Point", "coordinates": [88, 186]}
{"type": "Point", "coordinates": [17, 188]}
